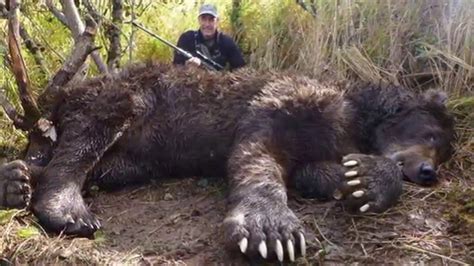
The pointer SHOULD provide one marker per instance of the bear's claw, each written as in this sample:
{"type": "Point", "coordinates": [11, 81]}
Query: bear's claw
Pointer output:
{"type": "Point", "coordinates": [371, 182]}
{"type": "Point", "coordinates": [262, 248]}
{"type": "Point", "coordinates": [71, 217]}
{"type": "Point", "coordinates": [364, 208]}
{"type": "Point", "coordinates": [267, 233]}
{"type": "Point", "coordinates": [350, 163]}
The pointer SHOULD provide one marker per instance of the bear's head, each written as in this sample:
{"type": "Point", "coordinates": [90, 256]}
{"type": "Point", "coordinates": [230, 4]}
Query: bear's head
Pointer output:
{"type": "Point", "coordinates": [419, 136]}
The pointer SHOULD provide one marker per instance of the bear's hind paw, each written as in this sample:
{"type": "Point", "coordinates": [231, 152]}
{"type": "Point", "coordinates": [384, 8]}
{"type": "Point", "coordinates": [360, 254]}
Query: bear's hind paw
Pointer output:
{"type": "Point", "coordinates": [15, 188]}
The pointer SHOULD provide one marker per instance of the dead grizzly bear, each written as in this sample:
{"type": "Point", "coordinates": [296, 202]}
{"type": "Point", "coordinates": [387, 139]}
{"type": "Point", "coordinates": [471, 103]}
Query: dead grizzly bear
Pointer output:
{"type": "Point", "coordinates": [264, 131]}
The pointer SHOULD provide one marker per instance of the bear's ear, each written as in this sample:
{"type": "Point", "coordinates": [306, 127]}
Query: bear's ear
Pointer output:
{"type": "Point", "coordinates": [436, 96]}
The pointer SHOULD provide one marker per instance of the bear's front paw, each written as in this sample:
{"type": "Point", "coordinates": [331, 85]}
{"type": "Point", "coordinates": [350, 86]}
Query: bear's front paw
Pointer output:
{"type": "Point", "coordinates": [64, 210]}
{"type": "Point", "coordinates": [15, 188]}
{"type": "Point", "coordinates": [372, 183]}
{"type": "Point", "coordinates": [265, 230]}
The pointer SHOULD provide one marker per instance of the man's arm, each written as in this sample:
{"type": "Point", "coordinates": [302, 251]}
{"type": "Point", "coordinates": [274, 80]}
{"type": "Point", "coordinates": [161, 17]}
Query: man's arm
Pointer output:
{"type": "Point", "coordinates": [186, 42]}
{"type": "Point", "coordinates": [236, 59]}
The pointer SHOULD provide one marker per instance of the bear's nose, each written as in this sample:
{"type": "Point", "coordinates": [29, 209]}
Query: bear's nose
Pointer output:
{"type": "Point", "coordinates": [427, 173]}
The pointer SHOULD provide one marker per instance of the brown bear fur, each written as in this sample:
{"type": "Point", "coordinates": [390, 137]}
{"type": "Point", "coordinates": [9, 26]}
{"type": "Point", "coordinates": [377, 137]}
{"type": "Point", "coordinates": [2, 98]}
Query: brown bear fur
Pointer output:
{"type": "Point", "coordinates": [264, 131]}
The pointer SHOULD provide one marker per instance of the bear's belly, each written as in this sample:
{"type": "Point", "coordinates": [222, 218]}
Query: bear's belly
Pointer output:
{"type": "Point", "coordinates": [182, 149]}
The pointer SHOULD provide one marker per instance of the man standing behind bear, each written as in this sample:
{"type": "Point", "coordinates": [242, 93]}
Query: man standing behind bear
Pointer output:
{"type": "Point", "coordinates": [215, 45]}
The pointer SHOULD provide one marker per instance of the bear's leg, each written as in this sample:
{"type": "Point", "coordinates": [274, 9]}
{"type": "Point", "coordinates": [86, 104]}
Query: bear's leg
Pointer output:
{"type": "Point", "coordinates": [259, 223]}
{"type": "Point", "coordinates": [318, 180]}
{"type": "Point", "coordinates": [85, 136]}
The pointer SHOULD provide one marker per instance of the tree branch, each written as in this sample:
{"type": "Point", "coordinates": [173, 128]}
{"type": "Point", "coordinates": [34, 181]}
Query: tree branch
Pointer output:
{"type": "Point", "coordinates": [92, 10]}
{"type": "Point", "coordinates": [34, 50]}
{"type": "Point", "coordinates": [132, 33]}
{"type": "Point", "coordinates": [113, 34]}
{"type": "Point", "coordinates": [70, 18]}
{"type": "Point", "coordinates": [77, 27]}
{"type": "Point", "coordinates": [57, 13]}
{"type": "Point", "coordinates": [83, 47]}
{"type": "Point", "coordinates": [74, 22]}
{"type": "Point", "coordinates": [32, 113]}
{"type": "Point", "coordinates": [3, 11]}
{"type": "Point", "coordinates": [10, 111]}
{"type": "Point", "coordinates": [29, 43]}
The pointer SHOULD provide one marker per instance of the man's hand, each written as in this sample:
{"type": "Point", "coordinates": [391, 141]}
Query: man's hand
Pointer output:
{"type": "Point", "coordinates": [193, 61]}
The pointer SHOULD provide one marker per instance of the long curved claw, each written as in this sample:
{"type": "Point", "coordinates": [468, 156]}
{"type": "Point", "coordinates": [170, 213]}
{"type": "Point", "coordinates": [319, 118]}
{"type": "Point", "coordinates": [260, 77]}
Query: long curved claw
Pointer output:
{"type": "Point", "coordinates": [291, 250]}
{"type": "Point", "coordinates": [350, 163]}
{"type": "Point", "coordinates": [262, 248]}
{"type": "Point", "coordinates": [364, 208]}
{"type": "Point", "coordinates": [351, 173]}
{"type": "Point", "coordinates": [354, 182]}
{"type": "Point", "coordinates": [243, 244]}
{"type": "Point", "coordinates": [97, 224]}
{"type": "Point", "coordinates": [358, 193]}
{"type": "Point", "coordinates": [302, 244]}
{"type": "Point", "coordinates": [279, 250]}
{"type": "Point", "coordinates": [69, 219]}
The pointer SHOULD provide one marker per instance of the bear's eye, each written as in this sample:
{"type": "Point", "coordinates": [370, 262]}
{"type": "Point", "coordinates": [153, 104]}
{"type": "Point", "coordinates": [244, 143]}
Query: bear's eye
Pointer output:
{"type": "Point", "coordinates": [430, 137]}
{"type": "Point", "coordinates": [400, 164]}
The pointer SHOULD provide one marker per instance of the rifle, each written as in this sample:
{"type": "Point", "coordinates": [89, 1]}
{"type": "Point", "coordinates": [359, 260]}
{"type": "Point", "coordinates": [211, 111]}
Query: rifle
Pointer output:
{"type": "Point", "coordinates": [206, 61]}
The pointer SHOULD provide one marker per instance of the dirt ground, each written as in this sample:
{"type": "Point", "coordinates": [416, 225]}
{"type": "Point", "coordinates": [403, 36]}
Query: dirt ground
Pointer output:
{"type": "Point", "coordinates": [176, 222]}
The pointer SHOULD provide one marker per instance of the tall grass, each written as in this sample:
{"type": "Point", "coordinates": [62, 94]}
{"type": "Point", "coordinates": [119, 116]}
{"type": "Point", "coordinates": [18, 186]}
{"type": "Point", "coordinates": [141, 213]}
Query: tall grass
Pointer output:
{"type": "Point", "coordinates": [411, 42]}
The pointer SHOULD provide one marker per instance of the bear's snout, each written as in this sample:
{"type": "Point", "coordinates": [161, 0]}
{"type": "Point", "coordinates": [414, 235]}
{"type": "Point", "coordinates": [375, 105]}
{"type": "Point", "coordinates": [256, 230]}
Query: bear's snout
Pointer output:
{"type": "Point", "coordinates": [417, 164]}
{"type": "Point", "coordinates": [427, 173]}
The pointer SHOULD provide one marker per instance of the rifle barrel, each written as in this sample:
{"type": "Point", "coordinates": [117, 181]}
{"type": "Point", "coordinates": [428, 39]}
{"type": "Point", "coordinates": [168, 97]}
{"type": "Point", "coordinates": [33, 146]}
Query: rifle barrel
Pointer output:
{"type": "Point", "coordinates": [207, 62]}
{"type": "Point", "coordinates": [185, 53]}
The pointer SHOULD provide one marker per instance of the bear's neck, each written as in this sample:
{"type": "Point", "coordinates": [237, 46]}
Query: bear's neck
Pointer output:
{"type": "Point", "coordinates": [375, 105]}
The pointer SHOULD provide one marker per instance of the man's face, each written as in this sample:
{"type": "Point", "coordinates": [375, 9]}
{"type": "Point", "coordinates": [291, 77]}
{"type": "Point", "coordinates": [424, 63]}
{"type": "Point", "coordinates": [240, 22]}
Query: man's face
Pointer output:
{"type": "Point", "coordinates": [208, 25]}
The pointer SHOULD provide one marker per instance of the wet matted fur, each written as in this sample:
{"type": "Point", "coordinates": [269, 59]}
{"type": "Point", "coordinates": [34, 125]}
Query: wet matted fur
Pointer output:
{"type": "Point", "coordinates": [264, 131]}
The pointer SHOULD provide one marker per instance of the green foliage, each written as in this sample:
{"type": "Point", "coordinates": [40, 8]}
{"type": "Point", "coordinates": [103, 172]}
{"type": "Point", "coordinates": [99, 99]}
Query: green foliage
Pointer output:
{"type": "Point", "coordinates": [7, 215]}
{"type": "Point", "coordinates": [28, 232]}
{"type": "Point", "coordinates": [100, 237]}
{"type": "Point", "coordinates": [389, 41]}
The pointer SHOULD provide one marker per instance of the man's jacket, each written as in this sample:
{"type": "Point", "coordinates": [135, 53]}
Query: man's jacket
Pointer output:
{"type": "Point", "coordinates": [221, 50]}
